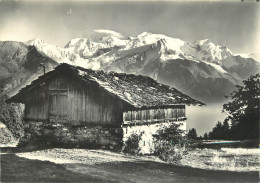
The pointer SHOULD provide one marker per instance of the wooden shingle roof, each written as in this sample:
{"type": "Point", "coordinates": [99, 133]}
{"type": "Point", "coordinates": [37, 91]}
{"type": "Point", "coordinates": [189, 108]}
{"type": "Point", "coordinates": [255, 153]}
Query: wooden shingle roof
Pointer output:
{"type": "Point", "coordinates": [138, 91]}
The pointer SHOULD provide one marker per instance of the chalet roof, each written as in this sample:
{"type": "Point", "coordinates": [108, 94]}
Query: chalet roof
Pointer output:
{"type": "Point", "coordinates": [138, 91]}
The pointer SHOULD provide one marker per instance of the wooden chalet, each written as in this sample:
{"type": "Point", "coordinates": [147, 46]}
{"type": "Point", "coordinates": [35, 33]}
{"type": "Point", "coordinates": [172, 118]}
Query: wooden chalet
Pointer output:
{"type": "Point", "coordinates": [74, 96]}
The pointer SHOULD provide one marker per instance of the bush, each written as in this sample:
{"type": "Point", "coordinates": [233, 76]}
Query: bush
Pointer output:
{"type": "Point", "coordinates": [6, 136]}
{"type": "Point", "coordinates": [132, 144]}
{"type": "Point", "coordinates": [170, 144]}
{"type": "Point", "coordinates": [170, 152]}
{"type": "Point", "coordinates": [12, 116]}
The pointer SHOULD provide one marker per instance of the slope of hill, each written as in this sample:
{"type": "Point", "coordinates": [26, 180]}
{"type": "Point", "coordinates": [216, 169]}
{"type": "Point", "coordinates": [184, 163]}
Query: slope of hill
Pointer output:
{"type": "Point", "coordinates": [20, 64]}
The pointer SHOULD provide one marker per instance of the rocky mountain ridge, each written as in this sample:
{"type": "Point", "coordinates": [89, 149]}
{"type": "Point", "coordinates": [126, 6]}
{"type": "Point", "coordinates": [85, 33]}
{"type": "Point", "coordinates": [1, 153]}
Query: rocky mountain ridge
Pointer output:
{"type": "Point", "coordinates": [201, 69]}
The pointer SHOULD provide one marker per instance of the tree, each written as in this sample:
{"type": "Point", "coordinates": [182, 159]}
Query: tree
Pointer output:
{"type": "Point", "coordinates": [220, 131]}
{"type": "Point", "coordinates": [217, 132]}
{"type": "Point", "coordinates": [192, 134]}
{"type": "Point", "coordinates": [205, 136]}
{"type": "Point", "coordinates": [225, 130]}
{"type": "Point", "coordinates": [243, 110]}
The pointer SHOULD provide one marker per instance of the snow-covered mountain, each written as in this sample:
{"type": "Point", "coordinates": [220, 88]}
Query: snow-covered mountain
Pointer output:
{"type": "Point", "coordinates": [201, 69]}
{"type": "Point", "coordinates": [87, 53]}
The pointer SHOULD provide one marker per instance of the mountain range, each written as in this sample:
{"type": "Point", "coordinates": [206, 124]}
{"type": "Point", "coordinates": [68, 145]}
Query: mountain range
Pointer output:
{"type": "Point", "coordinates": [201, 69]}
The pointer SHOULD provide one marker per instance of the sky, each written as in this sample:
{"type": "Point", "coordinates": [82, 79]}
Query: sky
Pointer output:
{"type": "Point", "coordinates": [234, 24]}
{"type": "Point", "coordinates": [203, 119]}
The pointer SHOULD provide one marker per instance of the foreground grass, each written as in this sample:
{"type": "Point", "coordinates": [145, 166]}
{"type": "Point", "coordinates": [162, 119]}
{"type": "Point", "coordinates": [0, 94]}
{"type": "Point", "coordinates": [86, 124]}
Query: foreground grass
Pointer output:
{"type": "Point", "coordinates": [16, 169]}
{"type": "Point", "coordinates": [19, 169]}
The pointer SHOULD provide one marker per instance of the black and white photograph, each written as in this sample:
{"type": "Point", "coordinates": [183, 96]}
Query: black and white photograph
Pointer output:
{"type": "Point", "coordinates": [131, 91]}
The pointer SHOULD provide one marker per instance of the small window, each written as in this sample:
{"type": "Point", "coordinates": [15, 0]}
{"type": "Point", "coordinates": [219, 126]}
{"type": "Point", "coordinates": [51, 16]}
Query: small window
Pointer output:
{"type": "Point", "coordinates": [144, 143]}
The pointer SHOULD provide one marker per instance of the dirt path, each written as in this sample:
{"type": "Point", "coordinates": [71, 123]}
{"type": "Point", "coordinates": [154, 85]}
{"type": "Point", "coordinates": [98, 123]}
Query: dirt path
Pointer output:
{"type": "Point", "coordinates": [120, 169]}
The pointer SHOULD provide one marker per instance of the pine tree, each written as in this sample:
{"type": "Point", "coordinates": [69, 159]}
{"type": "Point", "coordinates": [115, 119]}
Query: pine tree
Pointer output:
{"type": "Point", "coordinates": [205, 136]}
{"type": "Point", "coordinates": [192, 134]}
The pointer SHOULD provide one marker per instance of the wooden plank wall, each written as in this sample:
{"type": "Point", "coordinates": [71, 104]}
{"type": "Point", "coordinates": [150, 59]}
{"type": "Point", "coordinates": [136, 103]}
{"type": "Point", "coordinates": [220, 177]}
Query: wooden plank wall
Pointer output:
{"type": "Point", "coordinates": [69, 100]}
{"type": "Point", "coordinates": [92, 105]}
{"type": "Point", "coordinates": [36, 106]}
{"type": "Point", "coordinates": [58, 94]}
{"type": "Point", "coordinates": [155, 114]}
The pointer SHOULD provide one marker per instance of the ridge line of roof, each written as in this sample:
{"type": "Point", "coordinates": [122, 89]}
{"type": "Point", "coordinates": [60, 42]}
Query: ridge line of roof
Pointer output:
{"type": "Point", "coordinates": [94, 79]}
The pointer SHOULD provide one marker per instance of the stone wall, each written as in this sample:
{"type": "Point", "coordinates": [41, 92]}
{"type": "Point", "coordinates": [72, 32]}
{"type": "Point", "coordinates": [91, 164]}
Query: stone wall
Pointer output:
{"type": "Point", "coordinates": [92, 136]}
{"type": "Point", "coordinates": [84, 136]}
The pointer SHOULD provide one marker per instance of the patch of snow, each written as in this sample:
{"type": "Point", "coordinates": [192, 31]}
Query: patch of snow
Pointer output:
{"type": "Point", "coordinates": [113, 41]}
{"type": "Point", "coordinates": [73, 42]}
{"type": "Point", "coordinates": [217, 67]}
{"type": "Point", "coordinates": [165, 57]}
{"type": "Point", "coordinates": [205, 50]}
